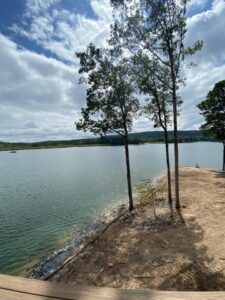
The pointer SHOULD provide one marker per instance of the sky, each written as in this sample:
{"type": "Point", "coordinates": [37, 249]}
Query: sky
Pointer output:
{"type": "Point", "coordinates": [40, 98]}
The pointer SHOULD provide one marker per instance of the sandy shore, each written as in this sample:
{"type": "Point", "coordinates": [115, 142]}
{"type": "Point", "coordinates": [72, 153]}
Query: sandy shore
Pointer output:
{"type": "Point", "coordinates": [186, 252]}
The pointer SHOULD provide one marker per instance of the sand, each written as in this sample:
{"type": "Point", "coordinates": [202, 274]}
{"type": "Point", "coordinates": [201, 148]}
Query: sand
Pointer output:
{"type": "Point", "coordinates": [183, 252]}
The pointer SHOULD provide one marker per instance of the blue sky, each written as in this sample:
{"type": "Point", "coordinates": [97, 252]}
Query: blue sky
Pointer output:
{"type": "Point", "coordinates": [40, 97]}
{"type": "Point", "coordinates": [13, 12]}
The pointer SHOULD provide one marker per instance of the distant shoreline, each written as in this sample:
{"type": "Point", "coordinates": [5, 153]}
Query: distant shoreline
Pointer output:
{"type": "Point", "coordinates": [94, 145]}
{"type": "Point", "coordinates": [149, 137]}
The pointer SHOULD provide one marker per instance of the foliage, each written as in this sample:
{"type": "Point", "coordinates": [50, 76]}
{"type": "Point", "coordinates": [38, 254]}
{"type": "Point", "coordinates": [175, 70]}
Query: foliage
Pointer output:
{"type": "Point", "coordinates": [213, 110]}
{"type": "Point", "coordinates": [111, 105]}
{"type": "Point", "coordinates": [156, 30]}
{"type": "Point", "coordinates": [159, 98]}
{"type": "Point", "coordinates": [147, 193]}
{"type": "Point", "coordinates": [148, 190]}
{"type": "Point", "coordinates": [111, 102]}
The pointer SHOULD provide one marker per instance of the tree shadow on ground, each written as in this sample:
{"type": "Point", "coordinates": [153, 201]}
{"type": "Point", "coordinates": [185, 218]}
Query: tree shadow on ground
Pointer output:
{"type": "Point", "coordinates": [196, 275]}
{"type": "Point", "coordinates": [218, 174]}
{"type": "Point", "coordinates": [142, 252]}
{"type": "Point", "coordinates": [169, 240]}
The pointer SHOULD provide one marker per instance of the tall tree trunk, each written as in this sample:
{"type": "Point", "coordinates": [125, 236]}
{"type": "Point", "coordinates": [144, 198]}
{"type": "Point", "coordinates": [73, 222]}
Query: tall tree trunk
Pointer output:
{"type": "Point", "coordinates": [223, 155]}
{"type": "Point", "coordinates": [131, 205]}
{"type": "Point", "coordinates": [176, 150]}
{"type": "Point", "coordinates": [170, 200]}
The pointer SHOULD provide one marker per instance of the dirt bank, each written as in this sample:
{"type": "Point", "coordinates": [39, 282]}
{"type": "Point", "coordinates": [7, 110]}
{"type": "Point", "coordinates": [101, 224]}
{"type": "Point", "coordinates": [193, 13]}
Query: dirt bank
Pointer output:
{"type": "Point", "coordinates": [186, 252]}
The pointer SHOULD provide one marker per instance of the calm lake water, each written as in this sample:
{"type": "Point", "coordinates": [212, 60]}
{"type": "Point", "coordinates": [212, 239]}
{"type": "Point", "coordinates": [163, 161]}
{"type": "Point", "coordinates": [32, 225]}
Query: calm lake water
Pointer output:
{"type": "Point", "coordinates": [47, 196]}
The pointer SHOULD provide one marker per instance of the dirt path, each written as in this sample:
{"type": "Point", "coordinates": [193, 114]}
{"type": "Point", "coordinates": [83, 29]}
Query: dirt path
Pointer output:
{"type": "Point", "coordinates": [186, 252]}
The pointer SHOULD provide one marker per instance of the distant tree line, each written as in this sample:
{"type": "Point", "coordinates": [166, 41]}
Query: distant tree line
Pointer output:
{"type": "Point", "coordinates": [114, 140]}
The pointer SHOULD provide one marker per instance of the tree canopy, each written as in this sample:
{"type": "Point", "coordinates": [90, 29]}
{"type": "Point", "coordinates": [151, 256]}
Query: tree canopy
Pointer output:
{"type": "Point", "coordinates": [110, 100]}
{"type": "Point", "coordinates": [157, 29]}
{"type": "Point", "coordinates": [213, 110]}
{"type": "Point", "coordinates": [111, 104]}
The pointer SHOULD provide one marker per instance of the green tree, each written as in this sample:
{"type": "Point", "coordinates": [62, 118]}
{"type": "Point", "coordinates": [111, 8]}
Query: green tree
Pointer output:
{"type": "Point", "coordinates": [158, 107]}
{"type": "Point", "coordinates": [158, 29]}
{"type": "Point", "coordinates": [213, 110]}
{"type": "Point", "coordinates": [111, 104]}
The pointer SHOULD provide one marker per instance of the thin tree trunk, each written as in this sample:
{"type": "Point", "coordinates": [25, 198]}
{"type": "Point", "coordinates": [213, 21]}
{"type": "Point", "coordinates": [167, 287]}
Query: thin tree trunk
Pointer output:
{"type": "Point", "coordinates": [223, 155]}
{"type": "Point", "coordinates": [176, 150]}
{"type": "Point", "coordinates": [131, 205]}
{"type": "Point", "coordinates": [170, 200]}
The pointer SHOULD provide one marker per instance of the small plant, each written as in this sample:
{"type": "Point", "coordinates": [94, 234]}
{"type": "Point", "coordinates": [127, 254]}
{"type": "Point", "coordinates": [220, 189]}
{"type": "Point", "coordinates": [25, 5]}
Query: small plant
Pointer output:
{"type": "Point", "coordinates": [148, 191]}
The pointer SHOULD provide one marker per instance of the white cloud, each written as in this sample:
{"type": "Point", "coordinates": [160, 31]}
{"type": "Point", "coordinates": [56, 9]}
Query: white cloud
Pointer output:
{"type": "Point", "coordinates": [37, 91]}
{"type": "Point", "coordinates": [64, 32]}
{"type": "Point", "coordinates": [197, 3]}
{"type": "Point", "coordinates": [40, 97]}
{"type": "Point", "coordinates": [36, 7]}
{"type": "Point", "coordinates": [209, 27]}
{"type": "Point", "coordinates": [40, 90]}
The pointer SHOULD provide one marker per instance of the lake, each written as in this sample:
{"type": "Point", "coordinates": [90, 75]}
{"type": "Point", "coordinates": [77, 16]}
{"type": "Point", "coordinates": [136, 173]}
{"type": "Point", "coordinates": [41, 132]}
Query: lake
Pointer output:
{"type": "Point", "coordinates": [48, 196]}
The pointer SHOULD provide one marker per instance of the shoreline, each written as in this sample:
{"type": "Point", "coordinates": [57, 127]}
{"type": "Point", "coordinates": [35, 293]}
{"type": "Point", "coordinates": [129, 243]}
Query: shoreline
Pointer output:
{"type": "Point", "coordinates": [100, 145]}
{"type": "Point", "coordinates": [55, 261]}
{"type": "Point", "coordinates": [59, 258]}
{"type": "Point", "coordinates": [146, 250]}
